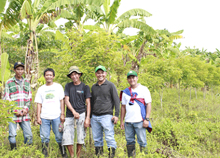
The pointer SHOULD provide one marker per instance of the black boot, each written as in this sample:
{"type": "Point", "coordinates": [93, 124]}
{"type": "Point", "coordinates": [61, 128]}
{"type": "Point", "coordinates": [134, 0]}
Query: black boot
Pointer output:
{"type": "Point", "coordinates": [44, 149]}
{"type": "Point", "coordinates": [63, 151]}
{"type": "Point", "coordinates": [13, 146]}
{"type": "Point", "coordinates": [111, 153]}
{"type": "Point", "coordinates": [98, 151]}
{"type": "Point", "coordinates": [131, 150]}
{"type": "Point", "coordinates": [143, 149]}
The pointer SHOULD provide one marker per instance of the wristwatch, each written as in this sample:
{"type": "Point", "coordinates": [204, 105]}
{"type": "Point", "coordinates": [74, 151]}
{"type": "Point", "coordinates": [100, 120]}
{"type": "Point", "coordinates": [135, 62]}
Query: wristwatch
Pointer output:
{"type": "Point", "coordinates": [147, 119]}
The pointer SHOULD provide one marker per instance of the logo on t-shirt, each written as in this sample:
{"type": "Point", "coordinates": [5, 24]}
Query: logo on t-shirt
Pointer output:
{"type": "Point", "coordinates": [79, 91]}
{"type": "Point", "coordinates": [50, 96]}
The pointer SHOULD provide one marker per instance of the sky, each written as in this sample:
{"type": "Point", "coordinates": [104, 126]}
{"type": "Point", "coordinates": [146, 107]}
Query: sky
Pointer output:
{"type": "Point", "coordinates": [200, 20]}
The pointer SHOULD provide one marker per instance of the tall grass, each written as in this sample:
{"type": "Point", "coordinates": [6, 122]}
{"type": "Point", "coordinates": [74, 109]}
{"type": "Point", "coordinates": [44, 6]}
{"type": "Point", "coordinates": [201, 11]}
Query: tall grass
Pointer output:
{"type": "Point", "coordinates": [191, 129]}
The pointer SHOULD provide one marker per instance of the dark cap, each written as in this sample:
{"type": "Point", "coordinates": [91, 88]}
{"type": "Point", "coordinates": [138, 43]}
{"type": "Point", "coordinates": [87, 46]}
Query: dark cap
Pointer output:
{"type": "Point", "coordinates": [72, 69]}
{"type": "Point", "coordinates": [18, 64]}
{"type": "Point", "coordinates": [132, 73]}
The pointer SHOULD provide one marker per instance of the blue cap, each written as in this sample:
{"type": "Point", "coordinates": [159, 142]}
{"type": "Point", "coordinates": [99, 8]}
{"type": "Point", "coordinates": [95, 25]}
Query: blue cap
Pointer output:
{"type": "Point", "coordinates": [18, 64]}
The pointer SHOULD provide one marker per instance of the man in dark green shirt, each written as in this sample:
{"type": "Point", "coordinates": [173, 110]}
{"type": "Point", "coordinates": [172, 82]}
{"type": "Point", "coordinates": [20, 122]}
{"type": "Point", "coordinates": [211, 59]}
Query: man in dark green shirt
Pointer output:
{"type": "Point", "coordinates": [104, 100]}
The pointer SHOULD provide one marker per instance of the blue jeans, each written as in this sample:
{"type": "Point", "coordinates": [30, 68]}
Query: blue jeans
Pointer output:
{"type": "Point", "coordinates": [135, 128]}
{"type": "Point", "coordinates": [45, 128]}
{"type": "Point", "coordinates": [25, 126]}
{"type": "Point", "coordinates": [100, 124]}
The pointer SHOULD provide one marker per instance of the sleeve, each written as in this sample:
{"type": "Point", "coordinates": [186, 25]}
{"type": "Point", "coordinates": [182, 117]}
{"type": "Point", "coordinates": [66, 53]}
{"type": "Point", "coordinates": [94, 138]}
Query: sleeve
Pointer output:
{"type": "Point", "coordinates": [38, 97]}
{"type": "Point", "coordinates": [116, 100]}
{"type": "Point", "coordinates": [123, 100]}
{"type": "Point", "coordinates": [6, 94]}
{"type": "Point", "coordinates": [66, 92]}
{"type": "Point", "coordinates": [87, 92]}
{"type": "Point", "coordinates": [147, 96]}
{"type": "Point", "coordinates": [61, 92]}
{"type": "Point", "coordinates": [28, 102]}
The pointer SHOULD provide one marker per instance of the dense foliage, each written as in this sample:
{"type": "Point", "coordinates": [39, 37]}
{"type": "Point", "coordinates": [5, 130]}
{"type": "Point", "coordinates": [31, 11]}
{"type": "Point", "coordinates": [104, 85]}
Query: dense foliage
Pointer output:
{"type": "Point", "coordinates": [184, 83]}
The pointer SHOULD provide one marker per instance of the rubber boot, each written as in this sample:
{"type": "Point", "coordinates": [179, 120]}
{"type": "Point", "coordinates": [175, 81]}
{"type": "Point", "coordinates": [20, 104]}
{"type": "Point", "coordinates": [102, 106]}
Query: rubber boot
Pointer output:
{"type": "Point", "coordinates": [44, 149]}
{"type": "Point", "coordinates": [13, 146]}
{"type": "Point", "coordinates": [111, 153]}
{"type": "Point", "coordinates": [143, 149]}
{"type": "Point", "coordinates": [63, 151]}
{"type": "Point", "coordinates": [98, 151]}
{"type": "Point", "coordinates": [131, 150]}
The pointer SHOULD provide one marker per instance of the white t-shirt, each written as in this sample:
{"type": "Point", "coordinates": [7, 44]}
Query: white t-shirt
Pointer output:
{"type": "Point", "coordinates": [133, 112]}
{"type": "Point", "coordinates": [49, 97]}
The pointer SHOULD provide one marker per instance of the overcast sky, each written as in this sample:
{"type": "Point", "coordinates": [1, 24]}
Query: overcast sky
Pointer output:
{"type": "Point", "coordinates": [200, 19]}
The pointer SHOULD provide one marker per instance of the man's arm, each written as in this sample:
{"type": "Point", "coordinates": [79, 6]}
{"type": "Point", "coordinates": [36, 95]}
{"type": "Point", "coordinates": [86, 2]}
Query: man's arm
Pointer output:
{"type": "Point", "coordinates": [116, 102]}
{"type": "Point", "coordinates": [62, 107]}
{"type": "Point", "coordinates": [7, 97]}
{"type": "Point", "coordinates": [148, 111]}
{"type": "Point", "coordinates": [68, 104]}
{"type": "Point", "coordinates": [39, 106]}
{"type": "Point", "coordinates": [123, 111]}
{"type": "Point", "coordinates": [88, 110]}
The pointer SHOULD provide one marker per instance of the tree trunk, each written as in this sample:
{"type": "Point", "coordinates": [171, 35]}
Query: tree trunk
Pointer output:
{"type": "Point", "coordinates": [135, 65]}
{"type": "Point", "coordinates": [204, 92]}
{"type": "Point", "coordinates": [179, 93]}
{"type": "Point", "coordinates": [171, 84]}
{"type": "Point", "coordinates": [161, 98]}
{"type": "Point", "coordinates": [190, 93]}
{"type": "Point", "coordinates": [196, 92]}
{"type": "Point", "coordinates": [0, 44]}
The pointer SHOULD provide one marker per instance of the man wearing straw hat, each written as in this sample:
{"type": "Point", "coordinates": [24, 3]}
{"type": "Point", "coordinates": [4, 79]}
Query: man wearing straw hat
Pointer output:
{"type": "Point", "coordinates": [104, 100]}
{"type": "Point", "coordinates": [136, 103]}
{"type": "Point", "coordinates": [77, 100]}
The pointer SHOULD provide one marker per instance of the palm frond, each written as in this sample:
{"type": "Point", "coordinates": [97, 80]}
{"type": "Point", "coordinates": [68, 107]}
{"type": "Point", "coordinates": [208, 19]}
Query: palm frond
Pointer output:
{"type": "Point", "coordinates": [26, 9]}
{"type": "Point", "coordinates": [113, 12]}
{"type": "Point", "coordinates": [133, 23]}
{"type": "Point", "coordinates": [11, 17]}
{"type": "Point", "coordinates": [133, 12]}
{"type": "Point", "coordinates": [106, 6]}
{"type": "Point", "coordinates": [2, 5]}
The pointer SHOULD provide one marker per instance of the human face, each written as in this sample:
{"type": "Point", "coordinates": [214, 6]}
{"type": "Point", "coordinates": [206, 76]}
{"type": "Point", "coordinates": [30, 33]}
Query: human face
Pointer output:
{"type": "Point", "coordinates": [75, 77]}
{"type": "Point", "coordinates": [49, 76]}
{"type": "Point", "coordinates": [101, 75]}
{"type": "Point", "coordinates": [19, 71]}
{"type": "Point", "coordinates": [132, 80]}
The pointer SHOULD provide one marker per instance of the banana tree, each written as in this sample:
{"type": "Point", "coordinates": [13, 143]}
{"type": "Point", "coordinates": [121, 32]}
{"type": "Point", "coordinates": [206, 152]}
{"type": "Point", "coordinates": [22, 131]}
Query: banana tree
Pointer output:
{"type": "Point", "coordinates": [81, 12]}
{"type": "Point", "coordinates": [10, 17]}
{"type": "Point", "coordinates": [109, 21]}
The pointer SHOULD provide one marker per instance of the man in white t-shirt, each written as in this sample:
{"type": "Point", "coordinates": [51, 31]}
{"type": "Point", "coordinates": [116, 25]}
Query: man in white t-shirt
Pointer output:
{"type": "Point", "coordinates": [136, 104]}
{"type": "Point", "coordinates": [50, 111]}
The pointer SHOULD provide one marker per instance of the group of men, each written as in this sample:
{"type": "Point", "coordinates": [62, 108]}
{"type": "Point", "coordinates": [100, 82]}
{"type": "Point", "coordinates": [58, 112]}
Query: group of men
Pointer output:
{"type": "Point", "coordinates": [95, 109]}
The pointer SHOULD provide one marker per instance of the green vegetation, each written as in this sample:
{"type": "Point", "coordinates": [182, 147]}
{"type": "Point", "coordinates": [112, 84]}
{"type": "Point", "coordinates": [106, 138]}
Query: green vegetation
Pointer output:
{"type": "Point", "coordinates": [184, 83]}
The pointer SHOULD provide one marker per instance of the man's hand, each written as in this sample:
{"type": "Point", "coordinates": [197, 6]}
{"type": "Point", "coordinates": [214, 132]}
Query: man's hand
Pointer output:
{"type": "Point", "coordinates": [122, 126]}
{"type": "Point", "coordinates": [145, 123]}
{"type": "Point", "coordinates": [115, 119]}
{"type": "Point", "coordinates": [62, 118]}
{"type": "Point", "coordinates": [39, 121]}
{"type": "Point", "coordinates": [87, 122]}
{"type": "Point", "coordinates": [24, 112]}
{"type": "Point", "coordinates": [19, 113]}
{"type": "Point", "coordinates": [76, 115]}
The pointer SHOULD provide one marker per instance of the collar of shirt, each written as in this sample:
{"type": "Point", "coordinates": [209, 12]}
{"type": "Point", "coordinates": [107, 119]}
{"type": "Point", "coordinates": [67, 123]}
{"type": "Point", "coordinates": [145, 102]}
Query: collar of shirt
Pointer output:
{"type": "Point", "coordinates": [17, 80]}
{"type": "Point", "coordinates": [105, 83]}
